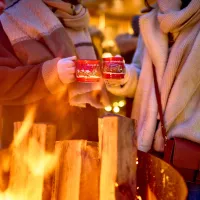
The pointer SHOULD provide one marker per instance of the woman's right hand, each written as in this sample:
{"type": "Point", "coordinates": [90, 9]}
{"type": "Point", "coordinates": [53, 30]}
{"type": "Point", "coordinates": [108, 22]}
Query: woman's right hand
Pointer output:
{"type": "Point", "coordinates": [66, 70]}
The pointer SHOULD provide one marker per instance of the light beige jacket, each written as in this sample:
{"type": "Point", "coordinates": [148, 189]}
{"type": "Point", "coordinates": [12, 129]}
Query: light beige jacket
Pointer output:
{"type": "Point", "coordinates": [178, 72]}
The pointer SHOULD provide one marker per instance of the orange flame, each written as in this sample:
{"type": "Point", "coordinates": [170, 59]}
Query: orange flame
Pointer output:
{"type": "Point", "coordinates": [31, 164]}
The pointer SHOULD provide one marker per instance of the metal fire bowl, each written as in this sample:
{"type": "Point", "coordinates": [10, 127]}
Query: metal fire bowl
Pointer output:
{"type": "Point", "coordinates": [158, 180]}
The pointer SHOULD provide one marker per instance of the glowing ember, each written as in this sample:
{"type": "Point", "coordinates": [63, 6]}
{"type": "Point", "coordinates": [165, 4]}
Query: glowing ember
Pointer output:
{"type": "Point", "coordinates": [138, 197]}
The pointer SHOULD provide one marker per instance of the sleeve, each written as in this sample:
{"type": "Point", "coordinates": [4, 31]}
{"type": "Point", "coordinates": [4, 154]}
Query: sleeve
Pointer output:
{"type": "Point", "coordinates": [129, 85]}
{"type": "Point", "coordinates": [26, 84]}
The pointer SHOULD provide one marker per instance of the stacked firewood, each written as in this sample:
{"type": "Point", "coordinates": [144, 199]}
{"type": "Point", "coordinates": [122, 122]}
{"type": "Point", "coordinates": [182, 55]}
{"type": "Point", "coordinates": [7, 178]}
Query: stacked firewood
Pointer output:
{"type": "Point", "coordinates": [45, 169]}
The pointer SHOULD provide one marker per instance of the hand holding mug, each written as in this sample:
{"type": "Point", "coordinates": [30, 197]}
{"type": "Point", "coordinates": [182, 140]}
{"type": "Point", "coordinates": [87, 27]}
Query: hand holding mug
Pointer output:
{"type": "Point", "coordinates": [113, 70]}
{"type": "Point", "coordinates": [88, 71]}
{"type": "Point", "coordinates": [66, 69]}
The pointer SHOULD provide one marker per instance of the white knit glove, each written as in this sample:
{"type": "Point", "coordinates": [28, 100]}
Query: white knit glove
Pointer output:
{"type": "Point", "coordinates": [66, 70]}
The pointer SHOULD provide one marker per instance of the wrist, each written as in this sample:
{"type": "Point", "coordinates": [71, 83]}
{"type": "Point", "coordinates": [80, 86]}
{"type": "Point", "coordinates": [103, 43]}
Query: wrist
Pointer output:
{"type": "Point", "coordinates": [51, 76]}
{"type": "Point", "coordinates": [127, 75]}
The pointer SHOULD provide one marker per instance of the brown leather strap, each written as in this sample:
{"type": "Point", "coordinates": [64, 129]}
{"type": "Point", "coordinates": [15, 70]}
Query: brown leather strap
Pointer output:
{"type": "Point", "coordinates": [158, 98]}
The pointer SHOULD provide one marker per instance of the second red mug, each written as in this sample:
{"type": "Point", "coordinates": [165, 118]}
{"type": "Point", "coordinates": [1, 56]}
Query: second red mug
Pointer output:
{"type": "Point", "coordinates": [113, 68]}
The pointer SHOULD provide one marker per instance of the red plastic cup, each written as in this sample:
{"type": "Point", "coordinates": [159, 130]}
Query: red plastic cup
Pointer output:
{"type": "Point", "coordinates": [88, 71]}
{"type": "Point", "coordinates": [113, 68]}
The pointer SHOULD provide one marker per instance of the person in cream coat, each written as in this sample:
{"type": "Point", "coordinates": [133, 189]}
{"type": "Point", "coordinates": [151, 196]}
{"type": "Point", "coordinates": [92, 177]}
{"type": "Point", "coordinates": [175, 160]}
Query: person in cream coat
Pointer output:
{"type": "Point", "coordinates": [170, 39]}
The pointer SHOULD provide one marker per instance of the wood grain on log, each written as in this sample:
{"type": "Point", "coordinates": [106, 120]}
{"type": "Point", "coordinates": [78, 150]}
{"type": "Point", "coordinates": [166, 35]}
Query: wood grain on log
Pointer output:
{"type": "Point", "coordinates": [77, 172]}
{"type": "Point", "coordinates": [118, 153]}
{"type": "Point", "coordinates": [90, 173]}
{"type": "Point", "coordinates": [68, 170]}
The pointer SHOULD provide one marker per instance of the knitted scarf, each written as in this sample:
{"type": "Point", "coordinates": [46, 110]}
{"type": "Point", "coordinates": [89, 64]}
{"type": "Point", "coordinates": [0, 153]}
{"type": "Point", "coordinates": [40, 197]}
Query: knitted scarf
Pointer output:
{"type": "Point", "coordinates": [75, 19]}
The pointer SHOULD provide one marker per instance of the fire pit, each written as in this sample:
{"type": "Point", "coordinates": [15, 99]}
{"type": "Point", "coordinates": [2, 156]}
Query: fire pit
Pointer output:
{"type": "Point", "coordinates": [158, 180]}
{"type": "Point", "coordinates": [113, 169]}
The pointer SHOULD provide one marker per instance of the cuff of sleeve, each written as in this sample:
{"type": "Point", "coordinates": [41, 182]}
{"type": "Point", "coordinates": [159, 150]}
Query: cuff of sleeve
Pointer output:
{"type": "Point", "coordinates": [51, 77]}
{"type": "Point", "coordinates": [128, 86]}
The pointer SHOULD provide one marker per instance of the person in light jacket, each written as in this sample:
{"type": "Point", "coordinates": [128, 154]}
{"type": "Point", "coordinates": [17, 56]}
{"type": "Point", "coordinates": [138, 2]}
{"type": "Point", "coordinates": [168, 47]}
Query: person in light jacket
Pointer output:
{"type": "Point", "coordinates": [170, 40]}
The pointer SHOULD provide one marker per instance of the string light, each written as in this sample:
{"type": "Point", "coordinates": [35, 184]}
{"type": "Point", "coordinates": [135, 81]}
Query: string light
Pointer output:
{"type": "Point", "coordinates": [116, 109]}
{"type": "Point", "coordinates": [122, 103]}
{"type": "Point", "coordinates": [108, 108]}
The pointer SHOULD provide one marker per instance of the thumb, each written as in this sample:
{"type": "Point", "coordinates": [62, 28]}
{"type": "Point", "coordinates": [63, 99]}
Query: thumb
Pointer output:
{"type": "Point", "coordinates": [118, 55]}
{"type": "Point", "coordinates": [66, 60]}
{"type": "Point", "coordinates": [72, 58]}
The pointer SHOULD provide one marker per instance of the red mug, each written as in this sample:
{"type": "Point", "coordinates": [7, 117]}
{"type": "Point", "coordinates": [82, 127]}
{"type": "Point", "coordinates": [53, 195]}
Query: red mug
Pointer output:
{"type": "Point", "coordinates": [88, 71]}
{"type": "Point", "coordinates": [113, 68]}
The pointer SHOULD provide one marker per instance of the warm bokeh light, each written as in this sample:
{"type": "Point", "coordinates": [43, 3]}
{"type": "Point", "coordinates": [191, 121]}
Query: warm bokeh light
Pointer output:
{"type": "Point", "coordinates": [122, 103]}
{"type": "Point", "coordinates": [115, 104]}
{"type": "Point", "coordinates": [106, 55]}
{"type": "Point", "coordinates": [116, 109]}
{"type": "Point", "coordinates": [118, 5]}
{"type": "Point", "coordinates": [108, 43]}
{"type": "Point", "coordinates": [108, 108]}
{"type": "Point", "coordinates": [102, 22]}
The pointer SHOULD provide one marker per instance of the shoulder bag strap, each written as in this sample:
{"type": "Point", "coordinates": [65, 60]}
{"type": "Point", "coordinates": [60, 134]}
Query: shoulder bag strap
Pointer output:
{"type": "Point", "coordinates": [158, 98]}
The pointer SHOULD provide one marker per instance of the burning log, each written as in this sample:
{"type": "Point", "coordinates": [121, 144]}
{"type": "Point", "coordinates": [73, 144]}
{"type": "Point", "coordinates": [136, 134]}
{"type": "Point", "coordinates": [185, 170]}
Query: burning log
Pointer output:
{"type": "Point", "coordinates": [118, 153]}
{"type": "Point", "coordinates": [77, 171]}
{"type": "Point", "coordinates": [31, 156]}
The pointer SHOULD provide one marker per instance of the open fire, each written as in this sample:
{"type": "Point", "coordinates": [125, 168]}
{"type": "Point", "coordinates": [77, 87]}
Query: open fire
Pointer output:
{"type": "Point", "coordinates": [28, 160]}
{"type": "Point", "coordinates": [36, 167]}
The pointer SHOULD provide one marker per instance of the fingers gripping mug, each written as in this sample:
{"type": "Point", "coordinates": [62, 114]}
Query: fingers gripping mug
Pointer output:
{"type": "Point", "coordinates": [88, 70]}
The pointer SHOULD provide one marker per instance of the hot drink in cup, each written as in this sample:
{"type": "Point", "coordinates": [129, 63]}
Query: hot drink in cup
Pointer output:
{"type": "Point", "coordinates": [88, 71]}
{"type": "Point", "coordinates": [113, 68]}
